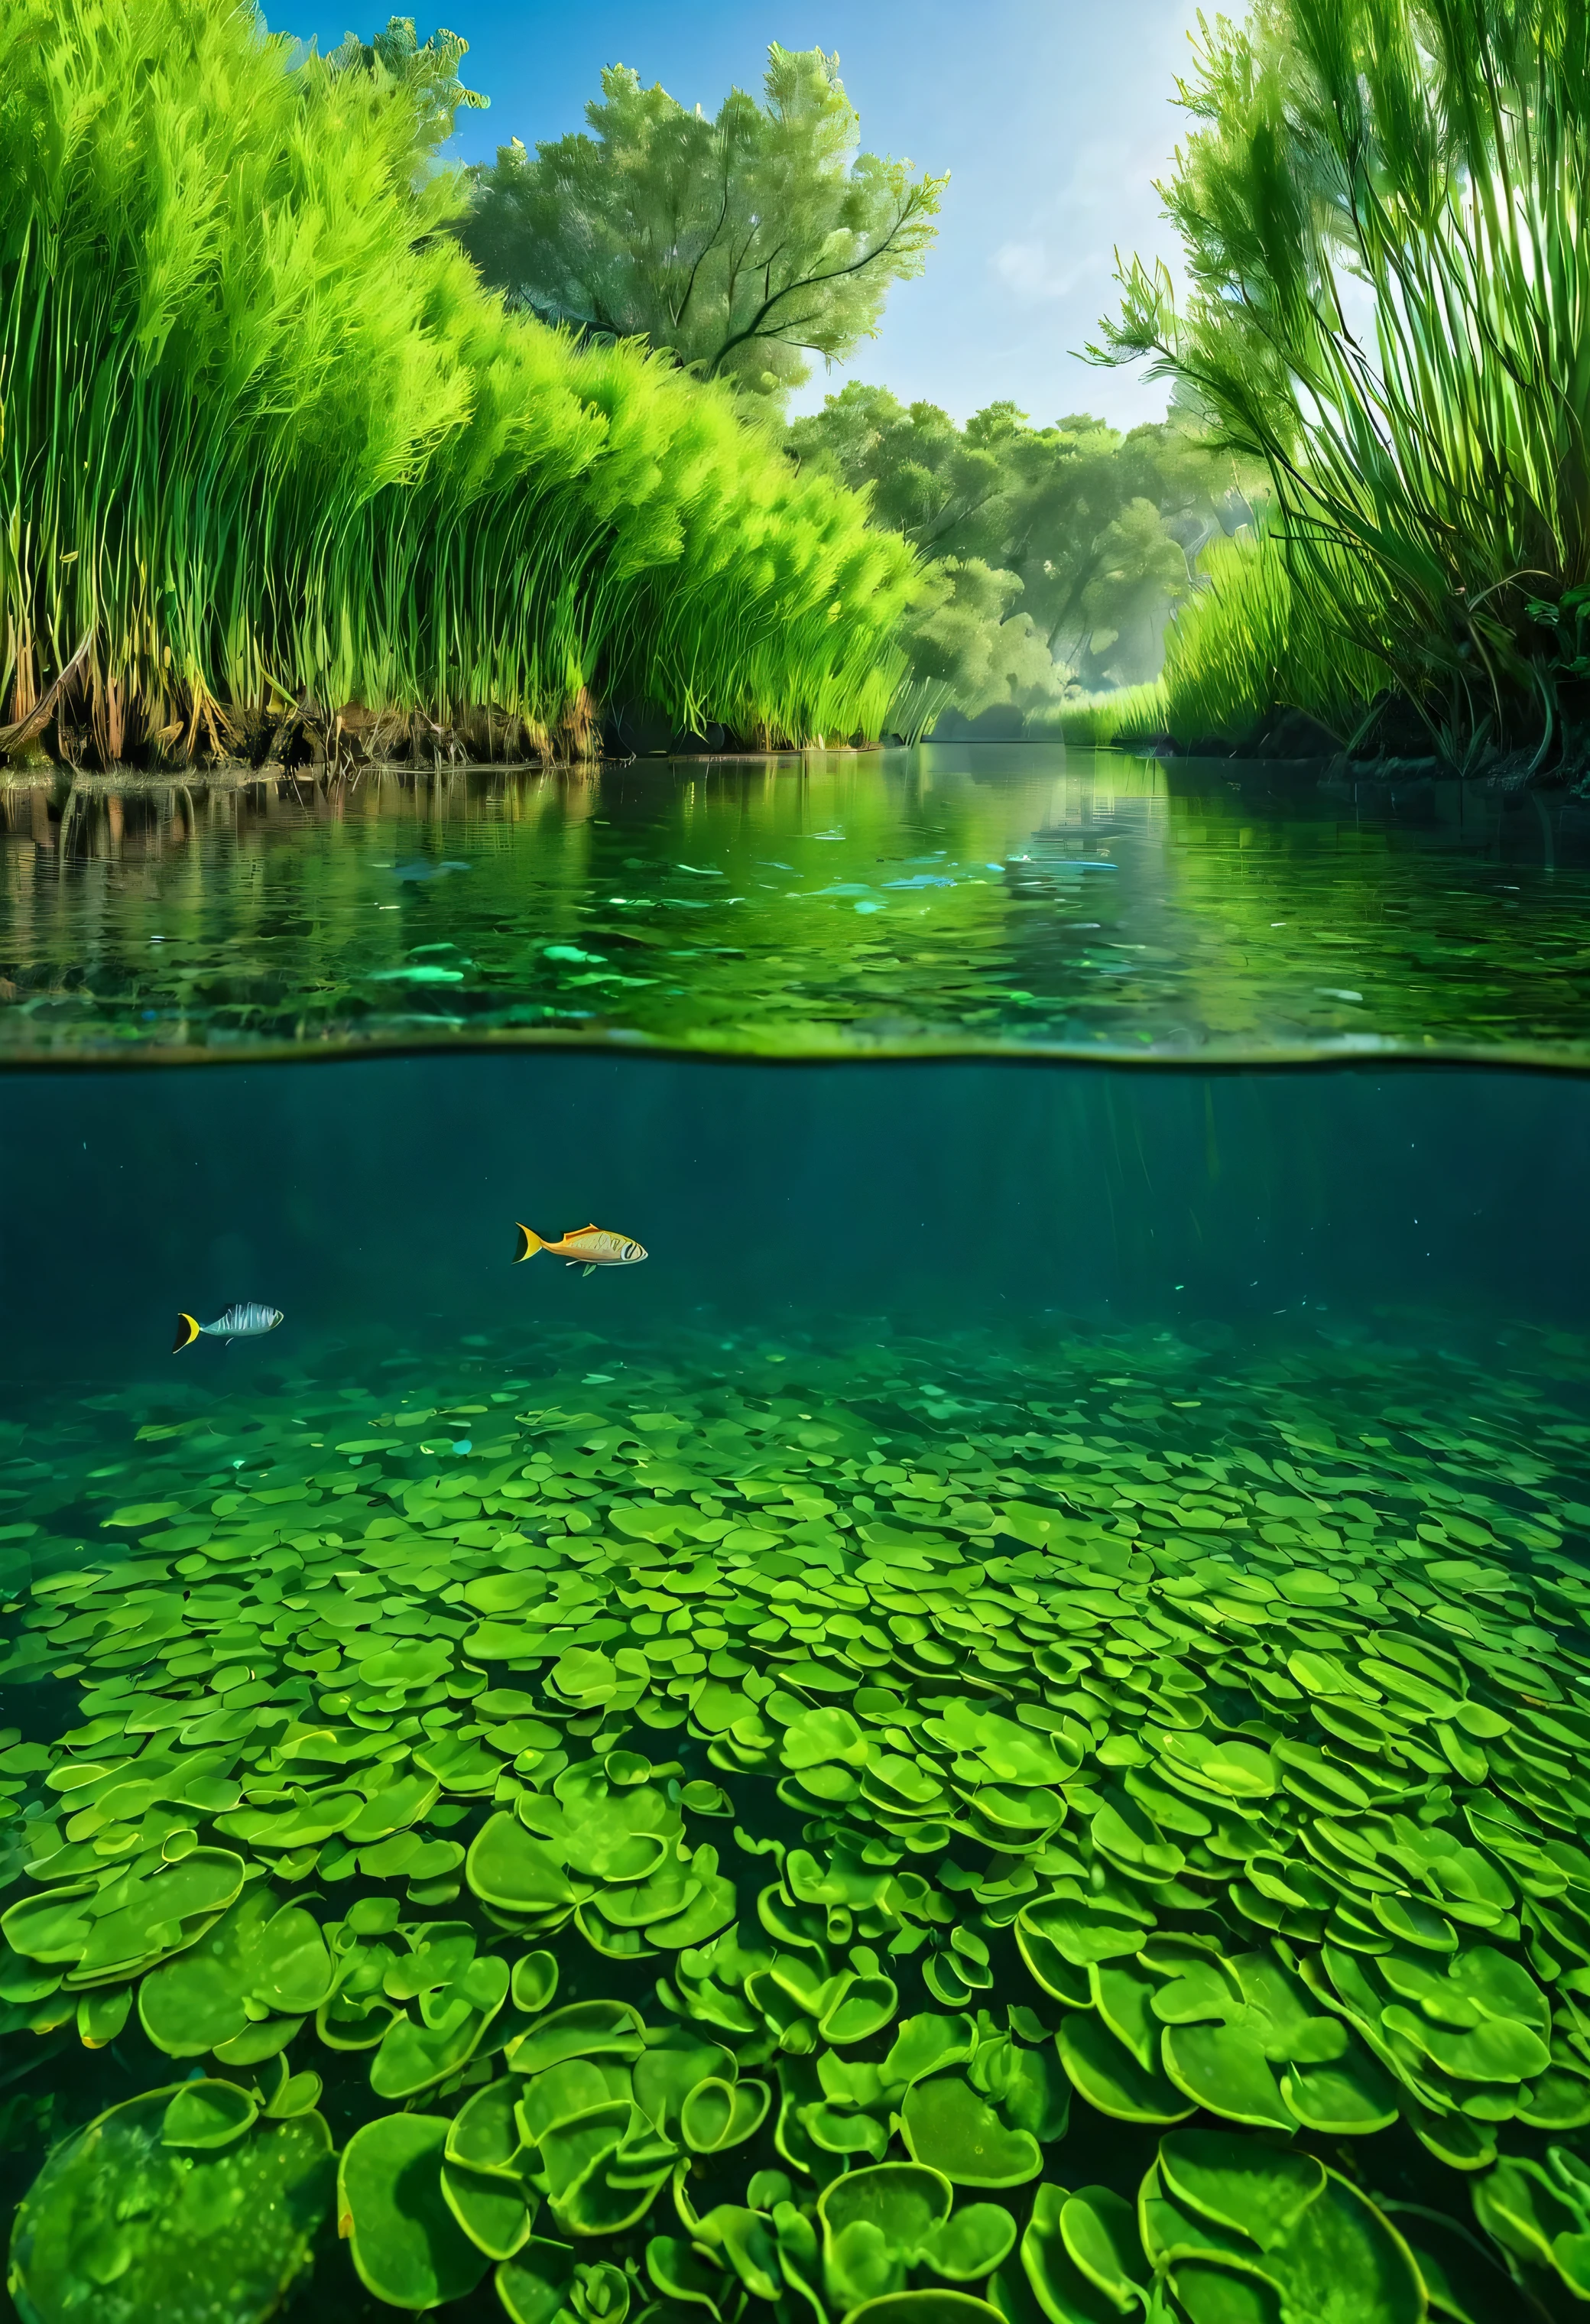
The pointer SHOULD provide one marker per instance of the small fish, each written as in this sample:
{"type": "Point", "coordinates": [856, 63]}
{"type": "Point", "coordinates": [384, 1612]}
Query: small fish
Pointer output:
{"type": "Point", "coordinates": [587, 1247]}
{"type": "Point", "coordinates": [247, 1320]}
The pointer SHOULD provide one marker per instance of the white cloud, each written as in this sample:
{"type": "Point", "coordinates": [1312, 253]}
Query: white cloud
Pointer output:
{"type": "Point", "coordinates": [1029, 273]}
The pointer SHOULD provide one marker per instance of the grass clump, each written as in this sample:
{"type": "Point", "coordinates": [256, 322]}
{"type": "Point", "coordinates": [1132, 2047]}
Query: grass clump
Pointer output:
{"type": "Point", "coordinates": [1250, 642]}
{"type": "Point", "coordinates": [272, 454]}
{"type": "Point", "coordinates": [1128, 713]}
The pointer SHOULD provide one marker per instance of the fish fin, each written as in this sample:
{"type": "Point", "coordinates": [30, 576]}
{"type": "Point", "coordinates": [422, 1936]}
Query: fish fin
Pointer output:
{"type": "Point", "coordinates": [588, 1270]}
{"type": "Point", "coordinates": [188, 1328]}
{"type": "Point", "coordinates": [529, 1244]}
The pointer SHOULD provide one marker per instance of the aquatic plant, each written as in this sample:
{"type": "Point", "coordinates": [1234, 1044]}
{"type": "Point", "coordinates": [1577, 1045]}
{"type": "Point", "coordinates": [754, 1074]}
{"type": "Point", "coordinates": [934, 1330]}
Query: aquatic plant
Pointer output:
{"type": "Point", "coordinates": [1123, 716]}
{"type": "Point", "coordinates": [1384, 212]}
{"type": "Point", "coordinates": [1255, 641]}
{"type": "Point", "coordinates": [1025, 1844]}
{"type": "Point", "coordinates": [277, 473]}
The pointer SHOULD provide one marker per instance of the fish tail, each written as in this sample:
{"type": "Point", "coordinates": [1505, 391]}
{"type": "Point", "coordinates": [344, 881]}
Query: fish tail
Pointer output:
{"type": "Point", "coordinates": [528, 1245]}
{"type": "Point", "coordinates": [188, 1328]}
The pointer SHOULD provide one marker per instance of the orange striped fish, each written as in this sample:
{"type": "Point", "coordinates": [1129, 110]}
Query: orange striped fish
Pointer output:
{"type": "Point", "coordinates": [584, 1247]}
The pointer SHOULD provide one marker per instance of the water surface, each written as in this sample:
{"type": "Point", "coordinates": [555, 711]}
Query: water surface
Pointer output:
{"type": "Point", "coordinates": [1020, 899]}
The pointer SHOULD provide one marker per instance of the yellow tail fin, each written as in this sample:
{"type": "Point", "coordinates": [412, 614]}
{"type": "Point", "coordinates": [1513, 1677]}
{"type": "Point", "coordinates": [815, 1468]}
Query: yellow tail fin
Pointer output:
{"type": "Point", "coordinates": [528, 1245]}
{"type": "Point", "coordinates": [187, 1332]}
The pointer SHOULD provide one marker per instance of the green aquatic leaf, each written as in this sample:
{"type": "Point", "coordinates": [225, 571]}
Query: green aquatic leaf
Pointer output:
{"type": "Point", "coordinates": [534, 1982]}
{"type": "Point", "coordinates": [719, 2114]}
{"type": "Point", "coordinates": [1223, 2067]}
{"type": "Point", "coordinates": [507, 1868]}
{"type": "Point", "coordinates": [925, 2307]}
{"type": "Point", "coordinates": [925, 2046]}
{"type": "Point", "coordinates": [1251, 2188]}
{"type": "Point", "coordinates": [484, 2134]}
{"type": "Point", "coordinates": [1086, 1930]}
{"type": "Point", "coordinates": [535, 2286]}
{"type": "Point", "coordinates": [1240, 1770]}
{"type": "Point", "coordinates": [412, 2057]}
{"type": "Point", "coordinates": [206, 2115]}
{"type": "Point", "coordinates": [667, 2073]}
{"type": "Point", "coordinates": [1054, 2286]}
{"type": "Point", "coordinates": [967, 2247]}
{"type": "Point", "coordinates": [580, 2029]}
{"type": "Point", "coordinates": [489, 2208]}
{"type": "Point", "coordinates": [406, 2245]}
{"type": "Point", "coordinates": [862, 2007]}
{"type": "Point", "coordinates": [120, 2225]}
{"type": "Point", "coordinates": [953, 2129]}
{"type": "Point", "coordinates": [1103, 2070]}
{"type": "Point", "coordinates": [1099, 2232]}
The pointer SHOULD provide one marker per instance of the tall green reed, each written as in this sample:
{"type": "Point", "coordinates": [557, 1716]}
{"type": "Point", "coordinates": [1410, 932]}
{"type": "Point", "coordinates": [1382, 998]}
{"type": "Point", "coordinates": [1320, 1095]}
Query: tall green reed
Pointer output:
{"type": "Point", "coordinates": [268, 448]}
{"type": "Point", "coordinates": [1252, 641]}
{"type": "Point", "coordinates": [1385, 216]}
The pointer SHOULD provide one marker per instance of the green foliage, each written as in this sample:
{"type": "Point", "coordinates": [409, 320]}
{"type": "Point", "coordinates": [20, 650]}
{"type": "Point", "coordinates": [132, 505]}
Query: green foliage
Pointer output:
{"type": "Point", "coordinates": [1148, 1856]}
{"type": "Point", "coordinates": [1252, 641]}
{"type": "Point", "coordinates": [1127, 714]}
{"type": "Point", "coordinates": [177, 2204]}
{"type": "Point", "coordinates": [739, 245]}
{"type": "Point", "coordinates": [965, 649]}
{"type": "Point", "coordinates": [1100, 534]}
{"type": "Point", "coordinates": [312, 480]}
{"type": "Point", "coordinates": [425, 73]}
{"type": "Point", "coordinates": [1383, 211]}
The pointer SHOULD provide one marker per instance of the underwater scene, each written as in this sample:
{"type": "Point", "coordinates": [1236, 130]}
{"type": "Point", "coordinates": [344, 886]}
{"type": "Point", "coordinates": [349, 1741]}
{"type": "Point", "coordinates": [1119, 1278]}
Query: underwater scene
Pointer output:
{"type": "Point", "coordinates": [791, 1683]}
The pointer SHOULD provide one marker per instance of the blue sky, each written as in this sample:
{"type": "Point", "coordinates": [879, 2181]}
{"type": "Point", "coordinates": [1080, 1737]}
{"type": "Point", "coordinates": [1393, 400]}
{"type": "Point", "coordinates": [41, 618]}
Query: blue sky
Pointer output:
{"type": "Point", "coordinates": [1052, 116]}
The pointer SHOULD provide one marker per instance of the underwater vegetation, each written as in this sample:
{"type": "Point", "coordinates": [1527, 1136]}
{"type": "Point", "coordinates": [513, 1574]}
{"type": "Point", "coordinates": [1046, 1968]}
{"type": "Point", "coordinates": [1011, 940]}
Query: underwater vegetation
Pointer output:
{"type": "Point", "coordinates": [279, 478]}
{"type": "Point", "coordinates": [782, 1833]}
{"type": "Point", "coordinates": [1382, 213]}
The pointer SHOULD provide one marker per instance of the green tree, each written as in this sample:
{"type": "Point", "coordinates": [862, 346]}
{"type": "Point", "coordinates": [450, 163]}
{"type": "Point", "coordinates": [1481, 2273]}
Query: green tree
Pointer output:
{"type": "Point", "coordinates": [1102, 532]}
{"type": "Point", "coordinates": [427, 72]}
{"type": "Point", "coordinates": [741, 245]}
{"type": "Point", "coordinates": [967, 651]}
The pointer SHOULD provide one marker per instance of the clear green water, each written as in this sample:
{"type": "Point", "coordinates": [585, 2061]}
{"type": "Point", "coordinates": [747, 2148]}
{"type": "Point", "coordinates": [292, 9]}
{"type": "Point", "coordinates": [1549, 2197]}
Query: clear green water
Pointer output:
{"type": "Point", "coordinates": [1031, 1659]}
{"type": "Point", "coordinates": [1003, 897]}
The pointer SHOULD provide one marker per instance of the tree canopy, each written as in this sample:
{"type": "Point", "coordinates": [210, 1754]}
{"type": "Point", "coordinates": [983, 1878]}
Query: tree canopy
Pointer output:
{"type": "Point", "coordinates": [426, 71]}
{"type": "Point", "coordinates": [1102, 532]}
{"type": "Point", "coordinates": [741, 243]}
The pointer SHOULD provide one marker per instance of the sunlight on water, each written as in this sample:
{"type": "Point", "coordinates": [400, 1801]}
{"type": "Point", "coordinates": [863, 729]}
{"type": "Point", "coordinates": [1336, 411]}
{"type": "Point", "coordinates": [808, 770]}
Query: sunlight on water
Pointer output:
{"type": "Point", "coordinates": [1019, 896]}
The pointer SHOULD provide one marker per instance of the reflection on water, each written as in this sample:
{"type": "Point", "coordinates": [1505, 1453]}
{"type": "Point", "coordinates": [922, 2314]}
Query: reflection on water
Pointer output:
{"type": "Point", "coordinates": [961, 895]}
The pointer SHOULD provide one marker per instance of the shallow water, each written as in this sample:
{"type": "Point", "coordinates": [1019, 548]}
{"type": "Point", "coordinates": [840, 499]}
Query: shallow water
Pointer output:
{"type": "Point", "coordinates": [1006, 896]}
{"type": "Point", "coordinates": [1084, 1565]}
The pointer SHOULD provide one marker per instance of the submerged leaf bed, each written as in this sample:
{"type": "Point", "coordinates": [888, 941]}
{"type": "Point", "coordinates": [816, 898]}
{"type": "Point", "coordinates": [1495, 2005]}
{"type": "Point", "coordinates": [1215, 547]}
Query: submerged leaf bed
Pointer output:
{"type": "Point", "coordinates": [770, 1831]}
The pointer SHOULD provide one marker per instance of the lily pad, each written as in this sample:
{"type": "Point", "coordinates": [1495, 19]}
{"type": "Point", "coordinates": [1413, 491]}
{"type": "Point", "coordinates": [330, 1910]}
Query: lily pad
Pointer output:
{"type": "Point", "coordinates": [406, 2245]}
{"type": "Point", "coordinates": [953, 2129]}
{"type": "Point", "coordinates": [121, 2224]}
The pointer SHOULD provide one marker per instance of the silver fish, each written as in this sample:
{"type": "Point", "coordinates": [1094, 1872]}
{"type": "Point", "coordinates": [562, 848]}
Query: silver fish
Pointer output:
{"type": "Point", "coordinates": [247, 1320]}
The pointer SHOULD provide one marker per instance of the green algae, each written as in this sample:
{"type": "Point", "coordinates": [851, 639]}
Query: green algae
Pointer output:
{"type": "Point", "coordinates": [905, 1831]}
